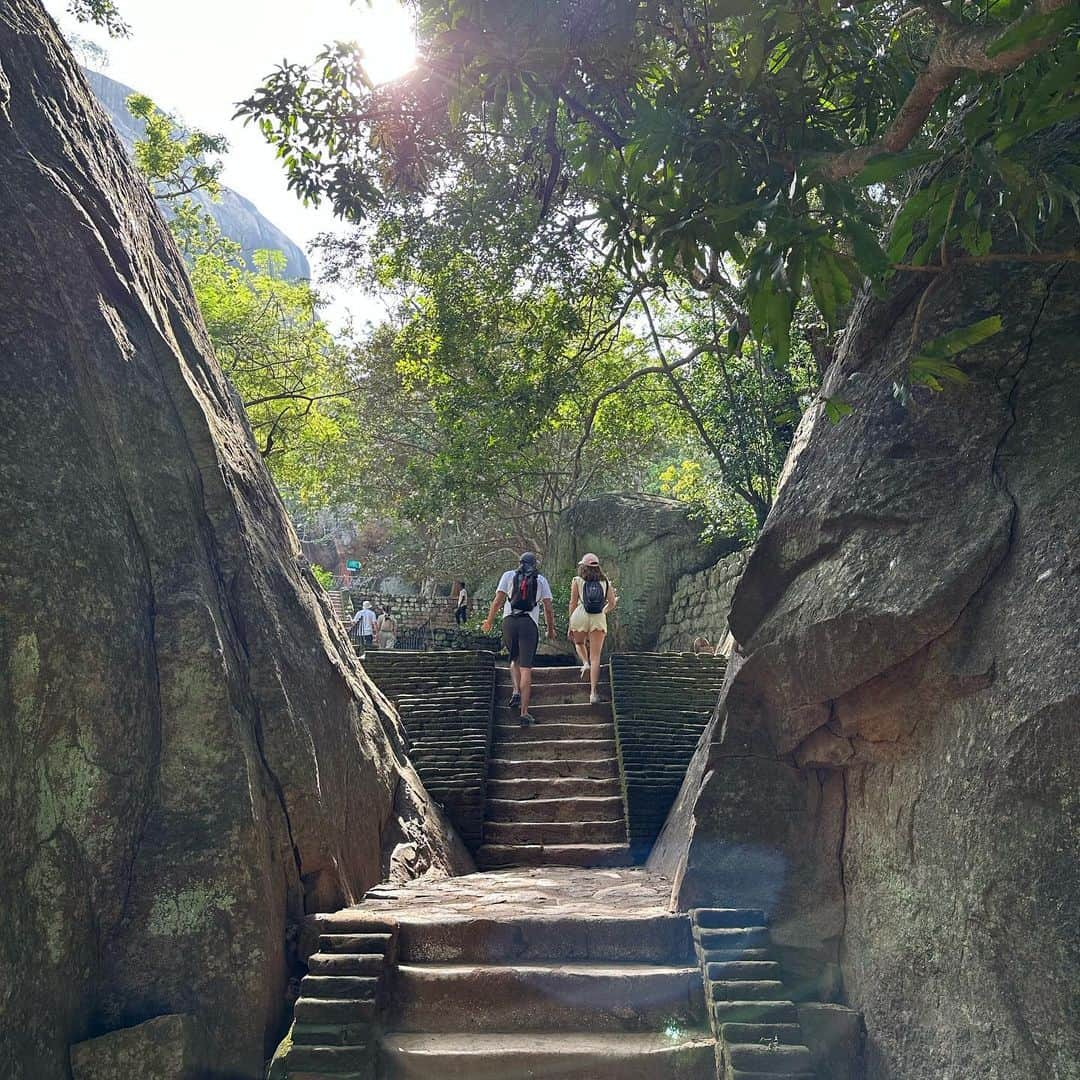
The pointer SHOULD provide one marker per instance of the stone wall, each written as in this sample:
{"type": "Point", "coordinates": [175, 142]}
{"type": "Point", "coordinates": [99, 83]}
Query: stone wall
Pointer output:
{"type": "Point", "coordinates": [700, 605]}
{"type": "Point", "coordinates": [661, 706]}
{"type": "Point", "coordinates": [415, 612]}
{"type": "Point", "coordinates": [446, 702]}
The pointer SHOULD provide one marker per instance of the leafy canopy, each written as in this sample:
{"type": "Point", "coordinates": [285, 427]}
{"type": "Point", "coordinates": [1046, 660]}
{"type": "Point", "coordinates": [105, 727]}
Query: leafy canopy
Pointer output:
{"type": "Point", "coordinates": [770, 138]}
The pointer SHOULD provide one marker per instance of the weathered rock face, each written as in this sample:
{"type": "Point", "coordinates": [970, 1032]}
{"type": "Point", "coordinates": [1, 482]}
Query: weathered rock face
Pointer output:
{"type": "Point", "coordinates": [646, 545]}
{"type": "Point", "coordinates": [192, 758]}
{"type": "Point", "coordinates": [700, 605]}
{"type": "Point", "coordinates": [908, 628]}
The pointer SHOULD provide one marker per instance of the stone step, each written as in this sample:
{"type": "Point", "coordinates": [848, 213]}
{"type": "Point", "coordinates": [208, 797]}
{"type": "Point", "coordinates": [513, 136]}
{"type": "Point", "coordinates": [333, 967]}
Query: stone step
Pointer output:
{"type": "Point", "coordinates": [567, 693]}
{"type": "Point", "coordinates": [323, 1011]}
{"type": "Point", "coordinates": [332, 1060]}
{"type": "Point", "coordinates": [493, 856]}
{"type": "Point", "coordinates": [581, 712]}
{"type": "Point", "coordinates": [338, 987]}
{"type": "Point", "coordinates": [546, 997]}
{"type": "Point", "coordinates": [756, 937]}
{"type": "Point", "coordinates": [649, 939]}
{"type": "Point", "coordinates": [742, 1074]}
{"type": "Point", "coordinates": [556, 788]}
{"type": "Point", "coordinates": [507, 735]}
{"type": "Point", "coordinates": [782, 1059]}
{"type": "Point", "coordinates": [502, 768]}
{"type": "Point", "coordinates": [508, 833]}
{"type": "Point", "coordinates": [724, 956]}
{"type": "Point", "coordinates": [568, 1055]}
{"type": "Point", "coordinates": [742, 969]}
{"type": "Point", "coordinates": [547, 749]}
{"type": "Point", "coordinates": [355, 943]}
{"type": "Point", "coordinates": [789, 1034]}
{"type": "Point", "coordinates": [727, 918]}
{"type": "Point", "coordinates": [548, 674]}
{"type": "Point", "coordinates": [746, 989]}
{"type": "Point", "coordinates": [340, 963]}
{"type": "Point", "coordinates": [575, 808]}
{"type": "Point", "coordinates": [331, 1034]}
{"type": "Point", "coordinates": [755, 1012]}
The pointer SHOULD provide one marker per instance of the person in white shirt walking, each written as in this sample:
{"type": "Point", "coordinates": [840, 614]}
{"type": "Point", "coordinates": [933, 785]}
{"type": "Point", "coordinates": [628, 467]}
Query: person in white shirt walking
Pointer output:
{"type": "Point", "coordinates": [364, 623]}
{"type": "Point", "coordinates": [521, 592]}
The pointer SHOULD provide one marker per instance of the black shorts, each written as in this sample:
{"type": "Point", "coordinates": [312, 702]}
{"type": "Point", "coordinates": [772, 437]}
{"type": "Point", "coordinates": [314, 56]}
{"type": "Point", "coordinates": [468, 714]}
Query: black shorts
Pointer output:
{"type": "Point", "coordinates": [521, 636]}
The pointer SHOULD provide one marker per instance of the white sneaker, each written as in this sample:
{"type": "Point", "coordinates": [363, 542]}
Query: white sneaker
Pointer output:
{"type": "Point", "coordinates": [584, 670]}
{"type": "Point", "coordinates": [594, 699]}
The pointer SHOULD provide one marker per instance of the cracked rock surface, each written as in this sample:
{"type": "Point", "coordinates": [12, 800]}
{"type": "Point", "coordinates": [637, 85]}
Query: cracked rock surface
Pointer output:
{"type": "Point", "coordinates": [192, 758]}
{"type": "Point", "coordinates": [893, 768]}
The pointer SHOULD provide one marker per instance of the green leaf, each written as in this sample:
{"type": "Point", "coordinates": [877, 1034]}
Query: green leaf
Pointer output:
{"type": "Point", "coordinates": [957, 341]}
{"type": "Point", "coordinates": [885, 166]}
{"type": "Point", "coordinates": [836, 409]}
{"type": "Point", "coordinates": [1031, 27]}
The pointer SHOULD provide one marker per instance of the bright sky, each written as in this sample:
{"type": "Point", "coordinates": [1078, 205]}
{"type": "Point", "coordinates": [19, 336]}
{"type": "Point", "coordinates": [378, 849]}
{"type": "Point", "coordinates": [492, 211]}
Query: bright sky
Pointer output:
{"type": "Point", "coordinates": [198, 58]}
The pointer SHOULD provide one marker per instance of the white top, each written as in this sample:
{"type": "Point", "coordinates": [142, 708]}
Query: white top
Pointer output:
{"type": "Point", "coordinates": [462, 598]}
{"type": "Point", "coordinates": [367, 619]}
{"type": "Point", "coordinates": [543, 592]}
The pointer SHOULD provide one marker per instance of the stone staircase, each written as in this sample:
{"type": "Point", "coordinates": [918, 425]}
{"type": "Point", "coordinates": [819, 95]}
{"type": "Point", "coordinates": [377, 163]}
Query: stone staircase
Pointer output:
{"type": "Point", "coordinates": [606, 998]}
{"type": "Point", "coordinates": [554, 795]}
{"type": "Point", "coordinates": [756, 1024]}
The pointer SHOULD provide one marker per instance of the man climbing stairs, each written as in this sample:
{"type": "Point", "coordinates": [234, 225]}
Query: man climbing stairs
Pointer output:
{"type": "Point", "coordinates": [553, 791]}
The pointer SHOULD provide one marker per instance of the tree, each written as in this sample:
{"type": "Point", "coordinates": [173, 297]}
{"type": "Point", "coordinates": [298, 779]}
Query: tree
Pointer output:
{"type": "Point", "coordinates": [768, 138]}
{"type": "Point", "coordinates": [293, 376]}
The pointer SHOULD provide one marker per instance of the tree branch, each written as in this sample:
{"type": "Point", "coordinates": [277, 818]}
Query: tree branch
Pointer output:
{"type": "Point", "coordinates": [960, 48]}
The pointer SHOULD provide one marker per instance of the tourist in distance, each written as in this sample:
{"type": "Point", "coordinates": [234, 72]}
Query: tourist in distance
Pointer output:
{"type": "Point", "coordinates": [592, 596]}
{"type": "Point", "coordinates": [387, 629]}
{"type": "Point", "coordinates": [461, 612]}
{"type": "Point", "coordinates": [364, 622]}
{"type": "Point", "coordinates": [521, 592]}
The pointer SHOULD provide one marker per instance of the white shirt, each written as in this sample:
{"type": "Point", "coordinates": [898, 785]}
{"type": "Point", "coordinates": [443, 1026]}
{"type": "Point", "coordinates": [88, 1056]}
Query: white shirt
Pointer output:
{"type": "Point", "coordinates": [543, 592]}
{"type": "Point", "coordinates": [367, 619]}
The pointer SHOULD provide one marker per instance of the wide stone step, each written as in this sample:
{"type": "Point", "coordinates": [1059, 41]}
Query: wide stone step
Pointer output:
{"type": "Point", "coordinates": [743, 969]}
{"type": "Point", "coordinates": [781, 1059]}
{"type": "Point", "coordinates": [727, 918]}
{"type": "Point", "coordinates": [746, 990]}
{"type": "Point", "coordinates": [568, 1055]}
{"type": "Point", "coordinates": [650, 939]}
{"type": "Point", "coordinates": [493, 856]}
{"type": "Point", "coordinates": [328, 1011]}
{"type": "Point", "coordinates": [557, 788]}
{"type": "Point", "coordinates": [331, 1060]}
{"type": "Point", "coordinates": [546, 997]}
{"type": "Point", "coordinates": [755, 937]}
{"type": "Point", "coordinates": [346, 964]}
{"type": "Point", "coordinates": [554, 673]}
{"type": "Point", "coordinates": [790, 1034]}
{"type": "Point", "coordinates": [576, 808]}
{"type": "Point", "coordinates": [508, 833]}
{"type": "Point", "coordinates": [755, 1012]}
{"type": "Point", "coordinates": [605, 768]}
{"type": "Point", "coordinates": [508, 734]}
{"type": "Point", "coordinates": [581, 713]}
{"type": "Point", "coordinates": [541, 749]}
{"type": "Point", "coordinates": [357, 1034]}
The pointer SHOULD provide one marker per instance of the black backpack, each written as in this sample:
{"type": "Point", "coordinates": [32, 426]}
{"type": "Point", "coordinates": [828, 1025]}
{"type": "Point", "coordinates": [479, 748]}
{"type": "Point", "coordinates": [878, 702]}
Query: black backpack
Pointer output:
{"type": "Point", "coordinates": [523, 596]}
{"type": "Point", "coordinates": [593, 596]}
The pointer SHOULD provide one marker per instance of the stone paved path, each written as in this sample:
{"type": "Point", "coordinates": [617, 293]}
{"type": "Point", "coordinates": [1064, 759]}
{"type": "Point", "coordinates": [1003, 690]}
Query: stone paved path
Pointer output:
{"type": "Point", "coordinates": [526, 891]}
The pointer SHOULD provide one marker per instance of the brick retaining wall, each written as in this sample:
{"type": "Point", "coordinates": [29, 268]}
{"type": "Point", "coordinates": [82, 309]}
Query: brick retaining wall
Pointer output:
{"type": "Point", "coordinates": [662, 703]}
{"type": "Point", "coordinates": [446, 702]}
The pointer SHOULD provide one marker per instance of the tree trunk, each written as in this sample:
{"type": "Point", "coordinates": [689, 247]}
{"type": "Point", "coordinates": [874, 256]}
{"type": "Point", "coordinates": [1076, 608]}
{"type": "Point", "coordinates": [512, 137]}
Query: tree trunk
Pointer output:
{"type": "Point", "coordinates": [192, 757]}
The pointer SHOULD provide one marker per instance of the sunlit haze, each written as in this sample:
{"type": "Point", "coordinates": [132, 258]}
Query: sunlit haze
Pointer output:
{"type": "Point", "coordinates": [197, 59]}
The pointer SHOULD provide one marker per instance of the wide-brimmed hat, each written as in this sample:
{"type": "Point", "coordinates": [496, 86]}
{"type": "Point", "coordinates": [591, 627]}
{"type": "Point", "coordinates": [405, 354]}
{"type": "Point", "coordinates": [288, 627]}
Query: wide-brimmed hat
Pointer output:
{"type": "Point", "coordinates": [367, 605]}
{"type": "Point", "coordinates": [589, 559]}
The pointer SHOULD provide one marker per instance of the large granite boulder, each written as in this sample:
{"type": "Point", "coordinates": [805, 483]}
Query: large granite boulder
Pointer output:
{"type": "Point", "coordinates": [646, 544]}
{"type": "Point", "coordinates": [192, 759]}
{"type": "Point", "coordinates": [908, 628]}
